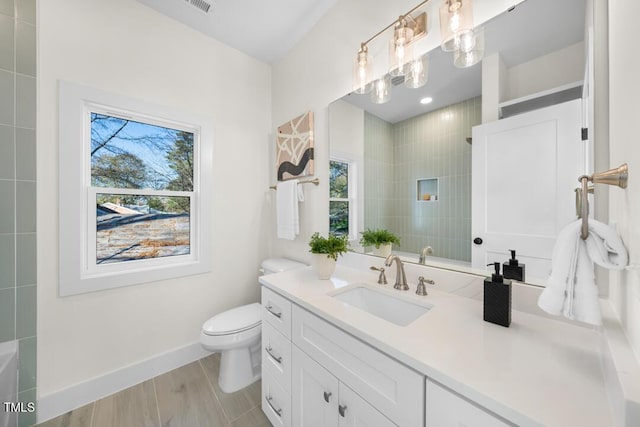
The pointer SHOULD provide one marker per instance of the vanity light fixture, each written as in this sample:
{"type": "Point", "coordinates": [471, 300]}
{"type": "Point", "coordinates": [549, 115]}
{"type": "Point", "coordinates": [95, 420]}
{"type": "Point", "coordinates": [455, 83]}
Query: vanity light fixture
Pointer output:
{"type": "Point", "coordinates": [400, 47]}
{"type": "Point", "coordinates": [406, 30]}
{"type": "Point", "coordinates": [416, 72]}
{"type": "Point", "coordinates": [463, 58]}
{"type": "Point", "coordinates": [362, 71]}
{"type": "Point", "coordinates": [458, 36]}
{"type": "Point", "coordinates": [456, 25]}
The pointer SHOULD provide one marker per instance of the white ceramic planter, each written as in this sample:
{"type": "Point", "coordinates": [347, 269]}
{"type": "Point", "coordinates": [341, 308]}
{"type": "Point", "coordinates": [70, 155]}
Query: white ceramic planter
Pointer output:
{"type": "Point", "coordinates": [323, 265]}
{"type": "Point", "coordinates": [383, 251]}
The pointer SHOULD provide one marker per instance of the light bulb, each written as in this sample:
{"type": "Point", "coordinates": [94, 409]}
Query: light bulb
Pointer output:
{"type": "Point", "coordinates": [381, 92]}
{"type": "Point", "coordinates": [454, 22]}
{"type": "Point", "coordinates": [466, 41]}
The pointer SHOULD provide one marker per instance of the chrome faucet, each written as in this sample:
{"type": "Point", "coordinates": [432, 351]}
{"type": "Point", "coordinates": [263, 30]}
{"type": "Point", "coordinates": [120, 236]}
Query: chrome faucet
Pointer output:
{"type": "Point", "coordinates": [401, 278]}
{"type": "Point", "coordinates": [427, 250]}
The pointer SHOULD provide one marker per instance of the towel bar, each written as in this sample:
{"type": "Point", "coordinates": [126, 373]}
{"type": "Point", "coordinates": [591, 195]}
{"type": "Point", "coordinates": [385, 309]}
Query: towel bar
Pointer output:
{"type": "Point", "coordinates": [314, 181]}
{"type": "Point", "coordinates": [617, 176]}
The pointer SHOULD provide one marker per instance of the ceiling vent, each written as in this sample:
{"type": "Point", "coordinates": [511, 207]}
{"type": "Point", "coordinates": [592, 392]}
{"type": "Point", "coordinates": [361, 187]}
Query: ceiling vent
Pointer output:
{"type": "Point", "coordinates": [200, 4]}
{"type": "Point", "coordinates": [397, 80]}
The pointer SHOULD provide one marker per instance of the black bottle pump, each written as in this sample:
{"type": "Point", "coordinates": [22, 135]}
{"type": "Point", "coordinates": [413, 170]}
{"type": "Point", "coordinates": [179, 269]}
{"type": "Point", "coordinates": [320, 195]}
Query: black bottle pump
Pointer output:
{"type": "Point", "coordinates": [512, 269]}
{"type": "Point", "coordinates": [496, 277]}
{"type": "Point", "coordinates": [497, 298]}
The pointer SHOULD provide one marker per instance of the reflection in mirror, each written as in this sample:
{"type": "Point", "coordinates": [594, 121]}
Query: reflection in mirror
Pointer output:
{"type": "Point", "coordinates": [414, 160]}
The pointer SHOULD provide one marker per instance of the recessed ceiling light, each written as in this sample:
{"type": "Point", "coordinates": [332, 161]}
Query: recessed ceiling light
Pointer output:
{"type": "Point", "coordinates": [426, 100]}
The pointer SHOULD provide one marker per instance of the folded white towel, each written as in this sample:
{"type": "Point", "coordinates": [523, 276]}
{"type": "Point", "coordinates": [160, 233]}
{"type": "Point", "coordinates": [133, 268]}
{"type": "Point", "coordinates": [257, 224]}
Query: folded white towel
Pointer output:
{"type": "Point", "coordinates": [571, 289]}
{"type": "Point", "coordinates": [289, 193]}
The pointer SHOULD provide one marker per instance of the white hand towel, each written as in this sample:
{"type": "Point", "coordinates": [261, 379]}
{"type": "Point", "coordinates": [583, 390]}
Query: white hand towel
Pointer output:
{"type": "Point", "coordinates": [571, 289]}
{"type": "Point", "coordinates": [289, 193]}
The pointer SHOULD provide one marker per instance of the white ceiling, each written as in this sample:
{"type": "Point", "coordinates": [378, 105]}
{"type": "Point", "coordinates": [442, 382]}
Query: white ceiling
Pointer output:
{"type": "Point", "coordinates": [265, 30]}
{"type": "Point", "coordinates": [531, 29]}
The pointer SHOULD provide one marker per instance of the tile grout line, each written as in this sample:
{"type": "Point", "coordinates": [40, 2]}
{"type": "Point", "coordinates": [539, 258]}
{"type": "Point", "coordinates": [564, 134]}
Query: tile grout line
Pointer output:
{"type": "Point", "coordinates": [93, 412]}
{"type": "Point", "coordinates": [224, 413]}
{"type": "Point", "coordinates": [155, 393]}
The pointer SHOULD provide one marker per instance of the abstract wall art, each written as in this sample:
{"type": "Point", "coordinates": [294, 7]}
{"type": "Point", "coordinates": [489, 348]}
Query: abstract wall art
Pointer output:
{"type": "Point", "coordinates": [294, 148]}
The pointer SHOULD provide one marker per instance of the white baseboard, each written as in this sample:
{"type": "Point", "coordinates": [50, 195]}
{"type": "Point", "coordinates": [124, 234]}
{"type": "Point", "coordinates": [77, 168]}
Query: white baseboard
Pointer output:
{"type": "Point", "coordinates": [60, 402]}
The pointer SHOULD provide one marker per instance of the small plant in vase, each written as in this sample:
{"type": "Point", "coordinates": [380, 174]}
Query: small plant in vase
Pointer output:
{"type": "Point", "coordinates": [326, 251]}
{"type": "Point", "coordinates": [382, 241]}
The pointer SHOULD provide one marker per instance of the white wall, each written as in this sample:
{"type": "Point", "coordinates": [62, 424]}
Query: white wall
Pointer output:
{"type": "Point", "coordinates": [126, 48]}
{"type": "Point", "coordinates": [625, 204]}
{"type": "Point", "coordinates": [555, 69]}
{"type": "Point", "coordinates": [318, 71]}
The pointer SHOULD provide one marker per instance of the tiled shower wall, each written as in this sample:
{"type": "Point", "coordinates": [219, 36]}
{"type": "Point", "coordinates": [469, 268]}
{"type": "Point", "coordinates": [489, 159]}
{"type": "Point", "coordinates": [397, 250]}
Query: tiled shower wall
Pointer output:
{"type": "Point", "coordinates": [432, 145]}
{"type": "Point", "coordinates": [378, 172]}
{"type": "Point", "coordinates": [18, 189]}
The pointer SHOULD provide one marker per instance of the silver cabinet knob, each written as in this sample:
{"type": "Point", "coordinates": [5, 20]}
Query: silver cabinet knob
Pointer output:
{"type": "Point", "coordinates": [342, 409]}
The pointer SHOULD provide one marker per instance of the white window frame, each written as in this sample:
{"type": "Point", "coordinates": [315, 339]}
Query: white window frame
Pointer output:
{"type": "Point", "coordinates": [352, 194]}
{"type": "Point", "coordinates": [79, 272]}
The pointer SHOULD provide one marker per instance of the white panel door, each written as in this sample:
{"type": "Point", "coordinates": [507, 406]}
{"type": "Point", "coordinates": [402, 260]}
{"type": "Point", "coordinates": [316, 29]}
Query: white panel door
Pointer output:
{"type": "Point", "coordinates": [356, 412]}
{"type": "Point", "coordinates": [314, 393]}
{"type": "Point", "coordinates": [525, 170]}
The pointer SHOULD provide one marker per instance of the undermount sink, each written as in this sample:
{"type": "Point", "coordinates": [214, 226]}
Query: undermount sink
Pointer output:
{"type": "Point", "coordinates": [382, 305]}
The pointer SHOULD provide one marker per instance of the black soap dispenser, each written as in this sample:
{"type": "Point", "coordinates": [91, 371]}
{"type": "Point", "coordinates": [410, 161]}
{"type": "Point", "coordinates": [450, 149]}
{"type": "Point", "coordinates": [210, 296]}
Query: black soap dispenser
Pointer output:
{"type": "Point", "coordinates": [512, 269]}
{"type": "Point", "coordinates": [497, 298]}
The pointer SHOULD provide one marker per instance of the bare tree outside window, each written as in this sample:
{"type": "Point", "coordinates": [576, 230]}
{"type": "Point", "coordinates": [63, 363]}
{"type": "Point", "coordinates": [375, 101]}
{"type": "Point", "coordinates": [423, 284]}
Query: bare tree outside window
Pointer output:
{"type": "Point", "coordinates": [132, 155]}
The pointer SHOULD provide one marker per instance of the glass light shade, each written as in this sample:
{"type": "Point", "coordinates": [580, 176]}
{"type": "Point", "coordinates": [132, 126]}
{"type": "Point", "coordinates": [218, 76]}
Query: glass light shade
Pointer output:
{"type": "Point", "coordinates": [400, 49]}
{"type": "Point", "coordinates": [381, 90]}
{"type": "Point", "coordinates": [416, 72]}
{"type": "Point", "coordinates": [362, 71]}
{"type": "Point", "coordinates": [456, 21]}
{"type": "Point", "coordinates": [462, 59]}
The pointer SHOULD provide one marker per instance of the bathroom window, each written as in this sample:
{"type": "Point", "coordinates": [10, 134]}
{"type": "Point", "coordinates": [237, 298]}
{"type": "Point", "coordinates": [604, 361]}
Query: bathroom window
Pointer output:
{"type": "Point", "coordinates": [134, 191]}
{"type": "Point", "coordinates": [341, 198]}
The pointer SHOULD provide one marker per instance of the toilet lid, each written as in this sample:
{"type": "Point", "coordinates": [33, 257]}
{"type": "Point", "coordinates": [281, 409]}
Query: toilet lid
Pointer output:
{"type": "Point", "coordinates": [235, 320]}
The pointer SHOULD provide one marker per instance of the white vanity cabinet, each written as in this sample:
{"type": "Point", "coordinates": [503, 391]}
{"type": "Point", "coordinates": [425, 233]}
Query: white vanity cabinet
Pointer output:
{"type": "Point", "coordinates": [320, 400]}
{"type": "Point", "coordinates": [304, 356]}
{"type": "Point", "coordinates": [445, 408]}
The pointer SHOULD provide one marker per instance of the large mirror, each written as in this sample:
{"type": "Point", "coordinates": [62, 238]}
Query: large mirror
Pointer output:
{"type": "Point", "coordinates": [411, 168]}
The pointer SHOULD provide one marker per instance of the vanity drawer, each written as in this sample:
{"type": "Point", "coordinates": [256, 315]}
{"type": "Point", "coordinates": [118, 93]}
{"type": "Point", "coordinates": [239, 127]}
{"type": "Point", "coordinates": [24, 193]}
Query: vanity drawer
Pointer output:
{"type": "Point", "coordinates": [446, 408]}
{"type": "Point", "coordinates": [276, 355]}
{"type": "Point", "coordinates": [277, 311]}
{"type": "Point", "coordinates": [276, 401]}
{"type": "Point", "coordinates": [394, 389]}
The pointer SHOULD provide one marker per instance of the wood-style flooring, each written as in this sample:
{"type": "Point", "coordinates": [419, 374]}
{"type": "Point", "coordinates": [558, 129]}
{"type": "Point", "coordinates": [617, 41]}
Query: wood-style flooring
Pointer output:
{"type": "Point", "coordinates": [185, 397]}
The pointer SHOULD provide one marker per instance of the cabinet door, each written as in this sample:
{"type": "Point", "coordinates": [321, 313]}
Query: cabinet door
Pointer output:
{"type": "Point", "coordinates": [447, 409]}
{"type": "Point", "coordinates": [314, 393]}
{"type": "Point", "coordinates": [356, 412]}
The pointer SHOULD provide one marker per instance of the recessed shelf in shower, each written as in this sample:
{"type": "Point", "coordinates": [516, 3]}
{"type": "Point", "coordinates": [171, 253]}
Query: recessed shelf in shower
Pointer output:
{"type": "Point", "coordinates": [427, 190]}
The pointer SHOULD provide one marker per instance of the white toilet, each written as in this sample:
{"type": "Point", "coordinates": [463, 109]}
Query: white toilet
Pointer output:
{"type": "Point", "coordinates": [236, 334]}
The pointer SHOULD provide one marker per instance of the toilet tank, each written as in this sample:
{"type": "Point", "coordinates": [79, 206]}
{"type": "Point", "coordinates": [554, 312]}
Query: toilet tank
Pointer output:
{"type": "Point", "coordinates": [277, 265]}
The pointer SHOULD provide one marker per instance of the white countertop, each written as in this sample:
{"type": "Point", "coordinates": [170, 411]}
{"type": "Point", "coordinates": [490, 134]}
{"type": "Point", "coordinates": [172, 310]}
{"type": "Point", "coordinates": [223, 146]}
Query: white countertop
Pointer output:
{"type": "Point", "coordinates": [536, 372]}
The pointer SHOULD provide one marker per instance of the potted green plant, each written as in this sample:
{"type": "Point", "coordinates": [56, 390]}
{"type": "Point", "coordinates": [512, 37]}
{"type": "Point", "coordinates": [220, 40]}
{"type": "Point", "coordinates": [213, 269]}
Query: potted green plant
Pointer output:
{"type": "Point", "coordinates": [381, 240]}
{"type": "Point", "coordinates": [326, 251]}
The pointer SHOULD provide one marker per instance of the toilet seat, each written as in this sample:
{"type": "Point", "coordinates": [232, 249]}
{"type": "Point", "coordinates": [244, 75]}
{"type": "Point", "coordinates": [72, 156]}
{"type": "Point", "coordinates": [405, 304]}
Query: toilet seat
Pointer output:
{"type": "Point", "coordinates": [234, 321]}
